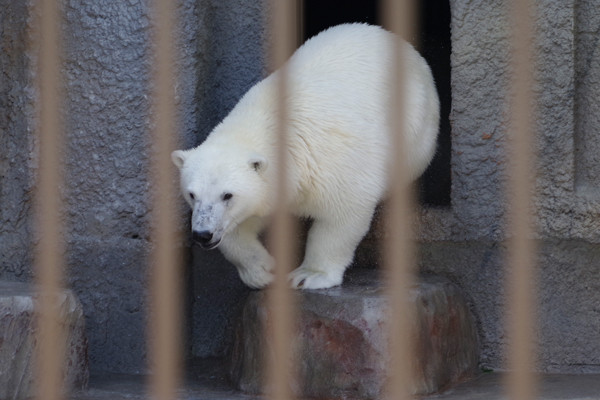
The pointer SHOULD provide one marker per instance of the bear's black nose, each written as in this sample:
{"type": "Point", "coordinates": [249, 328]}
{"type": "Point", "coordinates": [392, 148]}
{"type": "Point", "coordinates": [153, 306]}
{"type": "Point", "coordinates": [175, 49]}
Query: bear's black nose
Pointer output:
{"type": "Point", "coordinates": [202, 237]}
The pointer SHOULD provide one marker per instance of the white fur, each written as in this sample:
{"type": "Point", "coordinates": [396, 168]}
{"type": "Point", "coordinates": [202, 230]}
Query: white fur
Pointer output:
{"type": "Point", "coordinates": [338, 153]}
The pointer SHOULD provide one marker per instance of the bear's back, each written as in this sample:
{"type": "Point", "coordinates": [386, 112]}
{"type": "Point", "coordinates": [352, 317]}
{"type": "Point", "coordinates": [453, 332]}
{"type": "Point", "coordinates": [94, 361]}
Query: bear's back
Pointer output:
{"type": "Point", "coordinates": [340, 94]}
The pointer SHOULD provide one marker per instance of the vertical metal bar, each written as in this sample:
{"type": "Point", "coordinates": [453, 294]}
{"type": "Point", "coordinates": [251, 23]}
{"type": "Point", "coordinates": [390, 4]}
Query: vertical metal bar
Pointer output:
{"type": "Point", "coordinates": [48, 257]}
{"type": "Point", "coordinates": [279, 373]}
{"type": "Point", "coordinates": [166, 302]}
{"type": "Point", "coordinates": [399, 256]}
{"type": "Point", "coordinates": [521, 247]}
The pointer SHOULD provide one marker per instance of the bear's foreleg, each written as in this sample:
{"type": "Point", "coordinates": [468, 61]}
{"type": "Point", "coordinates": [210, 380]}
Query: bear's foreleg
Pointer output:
{"type": "Point", "coordinates": [243, 249]}
{"type": "Point", "coordinates": [329, 250]}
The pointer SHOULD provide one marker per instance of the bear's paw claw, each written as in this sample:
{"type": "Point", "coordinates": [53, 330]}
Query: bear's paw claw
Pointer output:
{"type": "Point", "coordinates": [304, 278]}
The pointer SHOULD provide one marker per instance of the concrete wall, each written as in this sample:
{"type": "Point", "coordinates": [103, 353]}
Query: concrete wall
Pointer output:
{"type": "Point", "coordinates": [16, 144]}
{"type": "Point", "coordinates": [466, 241]}
{"type": "Point", "coordinates": [106, 69]}
{"type": "Point", "coordinates": [587, 86]}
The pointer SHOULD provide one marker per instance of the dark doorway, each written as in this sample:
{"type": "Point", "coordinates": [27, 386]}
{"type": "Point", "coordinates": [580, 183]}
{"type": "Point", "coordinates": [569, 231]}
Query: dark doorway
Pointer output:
{"type": "Point", "coordinates": [320, 15]}
{"type": "Point", "coordinates": [434, 43]}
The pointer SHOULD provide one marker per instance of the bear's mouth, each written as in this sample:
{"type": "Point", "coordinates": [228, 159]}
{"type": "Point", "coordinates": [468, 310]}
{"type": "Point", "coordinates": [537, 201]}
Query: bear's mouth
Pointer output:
{"type": "Point", "coordinates": [209, 246]}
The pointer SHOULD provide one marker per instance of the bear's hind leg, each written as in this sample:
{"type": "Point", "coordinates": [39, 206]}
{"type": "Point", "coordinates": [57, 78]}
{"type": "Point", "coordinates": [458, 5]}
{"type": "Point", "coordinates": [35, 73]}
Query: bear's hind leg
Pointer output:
{"type": "Point", "coordinates": [329, 251]}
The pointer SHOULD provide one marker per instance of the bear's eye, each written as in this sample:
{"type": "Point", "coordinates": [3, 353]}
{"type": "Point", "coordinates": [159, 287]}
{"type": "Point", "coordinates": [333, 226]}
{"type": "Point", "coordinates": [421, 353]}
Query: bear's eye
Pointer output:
{"type": "Point", "coordinates": [227, 196]}
{"type": "Point", "coordinates": [192, 197]}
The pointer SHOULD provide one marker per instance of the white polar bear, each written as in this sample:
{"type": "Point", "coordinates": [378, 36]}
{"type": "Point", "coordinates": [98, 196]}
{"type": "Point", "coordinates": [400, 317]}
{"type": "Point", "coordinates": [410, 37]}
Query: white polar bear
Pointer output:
{"type": "Point", "coordinates": [338, 150]}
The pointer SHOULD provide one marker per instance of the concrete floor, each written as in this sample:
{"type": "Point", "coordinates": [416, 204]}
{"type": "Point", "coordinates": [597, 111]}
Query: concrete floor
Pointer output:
{"type": "Point", "coordinates": [489, 386]}
{"type": "Point", "coordinates": [207, 381]}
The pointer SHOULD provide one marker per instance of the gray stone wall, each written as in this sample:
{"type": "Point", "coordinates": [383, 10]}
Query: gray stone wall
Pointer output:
{"type": "Point", "coordinates": [16, 146]}
{"type": "Point", "coordinates": [106, 68]}
{"type": "Point", "coordinates": [465, 242]}
{"type": "Point", "coordinates": [587, 85]}
{"type": "Point", "coordinates": [106, 71]}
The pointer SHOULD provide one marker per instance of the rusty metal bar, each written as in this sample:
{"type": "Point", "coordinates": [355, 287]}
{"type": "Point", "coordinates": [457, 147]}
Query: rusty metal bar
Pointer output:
{"type": "Point", "coordinates": [521, 247]}
{"type": "Point", "coordinates": [48, 256]}
{"type": "Point", "coordinates": [399, 256]}
{"type": "Point", "coordinates": [280, 300]}
{"type": "Point", "coordinates": [166, 302]}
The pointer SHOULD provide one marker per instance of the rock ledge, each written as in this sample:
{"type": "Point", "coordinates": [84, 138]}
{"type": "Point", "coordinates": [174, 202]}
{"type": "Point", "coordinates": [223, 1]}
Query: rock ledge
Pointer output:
{"type": "Point", "coordinates": [18, 343]}
{"type": "Point", "coordinates": [340, 341]}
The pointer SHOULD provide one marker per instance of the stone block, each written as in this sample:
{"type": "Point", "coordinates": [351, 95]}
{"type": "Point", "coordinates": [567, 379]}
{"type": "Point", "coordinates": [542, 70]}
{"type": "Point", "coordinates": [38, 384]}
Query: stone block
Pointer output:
{"type": "Point", "coordinates": [18, 341]}
{"type": "Point", "coordinates": [340, 341]}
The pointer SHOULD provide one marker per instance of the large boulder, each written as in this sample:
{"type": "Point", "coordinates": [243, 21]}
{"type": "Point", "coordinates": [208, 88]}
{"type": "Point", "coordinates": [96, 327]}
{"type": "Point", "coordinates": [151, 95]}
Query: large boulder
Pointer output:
{"type": "Point", "coordinates": [341, 341]}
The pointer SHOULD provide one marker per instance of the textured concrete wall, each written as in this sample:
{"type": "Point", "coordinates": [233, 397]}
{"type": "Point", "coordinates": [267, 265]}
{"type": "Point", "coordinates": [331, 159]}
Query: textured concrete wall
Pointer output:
{"type": "Point", "coordinates": [587, 85]}
{"type": "Point", "coordinates": [465, 242]}
{"type": "Point", "coordinates": [106, 68]}
{"type": "Point", "coordinates": [15, 142]}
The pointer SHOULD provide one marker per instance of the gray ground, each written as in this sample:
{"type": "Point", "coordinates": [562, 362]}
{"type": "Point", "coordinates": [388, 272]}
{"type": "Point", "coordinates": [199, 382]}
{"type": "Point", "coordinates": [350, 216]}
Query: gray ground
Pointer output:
{"type": "Point", "coordinates": [208, 381]}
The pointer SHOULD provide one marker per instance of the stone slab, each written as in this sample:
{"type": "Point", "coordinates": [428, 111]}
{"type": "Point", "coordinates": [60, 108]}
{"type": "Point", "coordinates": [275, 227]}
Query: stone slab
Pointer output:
{"type": "Point", "coordinates": [341, 342]}
{"type": "Point", "coordinates": [492, 386]}
{"type": "Point", "coordinates": [18, 341]}
{"type": "Point", "coordinates": [209, 383]}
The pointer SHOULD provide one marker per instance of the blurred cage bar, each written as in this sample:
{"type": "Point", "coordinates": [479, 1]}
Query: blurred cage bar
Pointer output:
{"type": "Point", "coordinates": [48, 257]}
{"type": "Point", "coordinates": [164, 342]}
{"type": "Point", "coordinates": [166, 302]}
{"type": "Point", "coordinates": [398, 17]}
{"type": "Point", "coordinates": [283, 26]}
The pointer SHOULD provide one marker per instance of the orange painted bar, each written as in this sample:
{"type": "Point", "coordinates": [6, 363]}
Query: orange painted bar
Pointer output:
{"type": "Point", "coordinates": [48, 256]}
{"type": "Point", "coordinates": [166, 303]}
{"type": "Point", "coordinates": [280, 303]}
{"type": "Point", "coordinates": [399, 251]}
{"type": "Point", "coordinates": [521, 246]}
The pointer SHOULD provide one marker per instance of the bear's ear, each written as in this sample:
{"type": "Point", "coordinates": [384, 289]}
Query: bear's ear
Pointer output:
{"type": "Point", "coordinates": [258, 162]}
{"type": "Point", "coordinates": [178, 157]}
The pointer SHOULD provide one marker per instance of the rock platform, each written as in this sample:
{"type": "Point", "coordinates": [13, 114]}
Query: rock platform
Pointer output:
{"type": "Point", "coordinates": [340, 341]}
{"type": "Point", "coordinates": [18, 341]}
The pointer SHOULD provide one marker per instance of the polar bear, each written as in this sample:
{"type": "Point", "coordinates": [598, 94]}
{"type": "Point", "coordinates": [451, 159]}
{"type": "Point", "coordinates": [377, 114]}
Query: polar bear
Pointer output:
{"type": "Point", "coordinates": [338, 151]}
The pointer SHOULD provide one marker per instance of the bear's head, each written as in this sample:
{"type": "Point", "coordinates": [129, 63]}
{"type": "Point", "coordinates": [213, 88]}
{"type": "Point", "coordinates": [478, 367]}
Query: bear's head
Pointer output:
{"type": "Point", "coordinates": [224, 187]}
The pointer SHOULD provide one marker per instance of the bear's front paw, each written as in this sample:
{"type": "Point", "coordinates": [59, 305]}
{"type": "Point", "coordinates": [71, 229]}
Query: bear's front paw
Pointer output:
{"type": "Point", "coordinates": [306, 278]}
{"type": "Point", "coordinates": [256, 278]}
